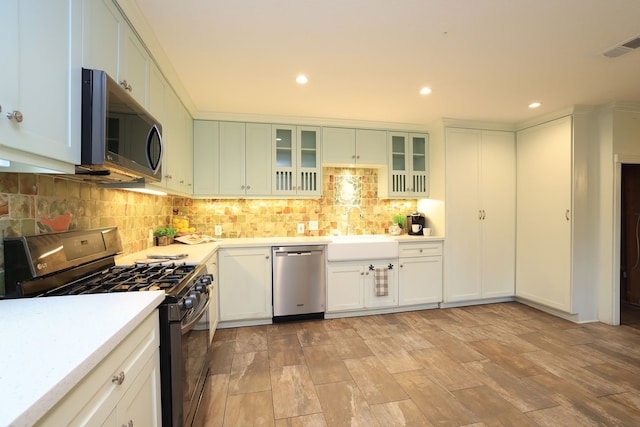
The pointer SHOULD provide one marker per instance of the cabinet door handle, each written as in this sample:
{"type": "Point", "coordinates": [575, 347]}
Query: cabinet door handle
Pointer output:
{"type": "Point", "coordinates": [358, 156]}
{"type": "Point", "coordinates": [401, 265]}
{"type": "Point", "coordinates": [15, 115]}
{"type": "Point", "coordinates": [242, 187]}
{"type": "Point", "coordinates": [129, 424]}
{"type": "Point", "coordinates": [126, 86]}
{"type": "Point", "coordinates": [248, 187]}
{"type": "Point", "coordinates": [480, 214]}
{"type": "Point", "coordinates": [118, 379]}
{"type": "Point", "coordinates": [566, 215]}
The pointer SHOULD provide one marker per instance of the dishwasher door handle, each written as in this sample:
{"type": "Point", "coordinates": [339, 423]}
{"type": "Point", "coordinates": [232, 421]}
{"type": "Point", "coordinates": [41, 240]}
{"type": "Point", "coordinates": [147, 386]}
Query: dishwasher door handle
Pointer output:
{"type": "Point", "coordinates": [297, 253]}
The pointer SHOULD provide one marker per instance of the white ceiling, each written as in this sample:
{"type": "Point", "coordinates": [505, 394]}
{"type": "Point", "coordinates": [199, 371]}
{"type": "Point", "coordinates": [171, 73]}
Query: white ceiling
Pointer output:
{"type": "Point", "coordinates": [367, 59]}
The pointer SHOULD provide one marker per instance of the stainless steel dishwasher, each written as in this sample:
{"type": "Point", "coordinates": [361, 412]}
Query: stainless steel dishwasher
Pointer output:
{"type": "Point", "coordinates": [298, 282]}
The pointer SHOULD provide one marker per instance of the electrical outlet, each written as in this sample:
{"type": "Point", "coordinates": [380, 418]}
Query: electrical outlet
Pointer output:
{"type": "Point", "coordinates": [218, 230]}
{"type": "Point", "coordinates": [313, 225]}
{"type": "Point", "coordinates": [301, 228]}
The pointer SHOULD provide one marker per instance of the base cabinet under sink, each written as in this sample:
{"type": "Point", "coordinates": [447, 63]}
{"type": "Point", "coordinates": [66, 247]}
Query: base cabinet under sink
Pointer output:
{"type": "Point", "coordinates": [351, 285]}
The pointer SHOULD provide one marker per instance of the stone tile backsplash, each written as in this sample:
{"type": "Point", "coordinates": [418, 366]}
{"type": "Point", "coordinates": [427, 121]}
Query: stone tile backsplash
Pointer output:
{"type": "Point", "coordinates": [35, 204]}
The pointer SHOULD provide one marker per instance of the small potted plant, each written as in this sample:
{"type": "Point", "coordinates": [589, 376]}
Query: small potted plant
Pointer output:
{"type": "Point", "coordinates": [164, 236]}
{"type": "Point", "coordinates": [399, 221]}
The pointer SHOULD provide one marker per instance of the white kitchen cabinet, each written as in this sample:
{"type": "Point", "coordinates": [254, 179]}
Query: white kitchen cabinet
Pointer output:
{"type": "Point", "coordinates": [110, 44]}
{"type": "Point", "coordinates": [177, 136]}
{"type": "Point", "coordinates": [354, 147]}
{"type": "Point", "coordinates": [158, 87]}
{"type": "Point", "coordinates": [245, 283]}
{"type": "Point", "coordinates": [40, 120]}
{"type": "Point", "coordinates": [133, 65]}
{"type": "Point", "coordinates": [296, 168]}
{"type": "Point", "coordinates": [351, 285]}
{"type": "Point", "coordinates": [103, 24]}
{"type": "Point", "coordinates": [206, 147]}
{"type": "Point", "coordinates": [213, 315]}
{"type": "Point", "coordinates": [420, 273]}
{"type": "Point", "coordinates": [408, 165]}
{"type": "Point", "coordinates": [345, 286]}
{"type": "Point", "coordinates": [479, 260]}
{"type": "Point", "coordinates": [185, 169]}
{"type": "Point", "coordinates": [123, 389]}
{"type": "Point", "coordinates": [245, 159]}
{"type": "Point", "coordinates": [555, 241]}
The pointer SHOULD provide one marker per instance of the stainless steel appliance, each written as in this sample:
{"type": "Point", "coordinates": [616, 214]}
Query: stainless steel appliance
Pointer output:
{"type": "Point", "coordinates": [120, 140]}
{"type": "Point", "coordinates": [419, 221]}
{"type": "Point", "coordinates": [82, 262]}
{"type": "Point", "coordinates": [298, 282]}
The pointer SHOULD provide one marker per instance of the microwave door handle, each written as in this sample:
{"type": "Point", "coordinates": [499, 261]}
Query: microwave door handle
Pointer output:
{"type": "Point", "coordinates": [150, 137]}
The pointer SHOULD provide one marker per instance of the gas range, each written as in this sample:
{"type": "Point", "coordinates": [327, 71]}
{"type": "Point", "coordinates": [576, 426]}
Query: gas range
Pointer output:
{"type": "Point", "coordinates": [139, 277]}
{"type": "Point", "coordinates": [83, 262]}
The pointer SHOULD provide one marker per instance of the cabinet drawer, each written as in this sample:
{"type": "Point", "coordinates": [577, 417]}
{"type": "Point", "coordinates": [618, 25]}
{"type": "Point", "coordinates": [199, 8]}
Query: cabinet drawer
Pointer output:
{"type": "Point", "coordinates": [95, 398]}
{"type": "Point", "coordinates": [419, 249]}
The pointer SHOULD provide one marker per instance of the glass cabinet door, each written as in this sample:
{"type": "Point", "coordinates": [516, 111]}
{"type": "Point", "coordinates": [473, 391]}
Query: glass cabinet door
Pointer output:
{"type": "Point", "coordinates": [399, 152]}
{"type": "Point", "coordinates": [308, 148]}
{"type": "Point", "coordinates": [419, 153]}
{"type": "Point", "coordinates": [284, 148]}
{"type": "Point", "coordinates": [419, 165]}
{"type": "Point", "coordinates": [296, 160]}
{"type": "Point", "coordinates": [309, 176]}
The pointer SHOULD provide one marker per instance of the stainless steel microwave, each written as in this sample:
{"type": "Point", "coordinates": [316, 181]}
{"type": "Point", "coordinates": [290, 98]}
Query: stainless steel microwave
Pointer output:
{"type": "Point", "coordinates": [120, 140]}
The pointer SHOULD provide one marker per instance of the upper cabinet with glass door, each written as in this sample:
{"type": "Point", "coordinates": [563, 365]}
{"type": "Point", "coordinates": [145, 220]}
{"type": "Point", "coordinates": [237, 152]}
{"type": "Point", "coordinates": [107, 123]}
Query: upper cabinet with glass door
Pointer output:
{"type": "Point", "coordinates": [409, 162]}
{"type": "Point", "coordinates": [296, 161]}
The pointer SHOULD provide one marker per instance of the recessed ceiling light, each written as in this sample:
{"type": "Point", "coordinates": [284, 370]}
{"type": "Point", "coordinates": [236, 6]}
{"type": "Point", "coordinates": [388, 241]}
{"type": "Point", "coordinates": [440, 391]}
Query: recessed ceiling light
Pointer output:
{"type": "Point", "coordinates": [534, 105]}
{"type": "Point", "coordinates": [425, 91]}
{"type": "Point", "coordinates": [302, 79]}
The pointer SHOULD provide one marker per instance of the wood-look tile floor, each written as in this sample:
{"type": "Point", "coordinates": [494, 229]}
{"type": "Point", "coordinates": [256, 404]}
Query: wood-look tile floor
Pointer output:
{"type": "Point", "coordinates": [499, 364]}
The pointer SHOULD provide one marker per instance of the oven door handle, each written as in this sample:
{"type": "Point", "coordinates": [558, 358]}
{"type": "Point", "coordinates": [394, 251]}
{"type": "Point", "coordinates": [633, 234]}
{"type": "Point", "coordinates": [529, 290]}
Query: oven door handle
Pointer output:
{"type": "Point", "coordinates": [202, 310]}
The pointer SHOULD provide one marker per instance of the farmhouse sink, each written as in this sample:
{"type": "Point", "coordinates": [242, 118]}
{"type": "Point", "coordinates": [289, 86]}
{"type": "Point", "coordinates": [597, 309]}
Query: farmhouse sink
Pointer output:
{"type": "Point", "coordinates": [361, 247]}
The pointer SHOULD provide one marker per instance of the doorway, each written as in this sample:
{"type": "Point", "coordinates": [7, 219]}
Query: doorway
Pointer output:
{"type": "Point", "coordinates": [630, 246]}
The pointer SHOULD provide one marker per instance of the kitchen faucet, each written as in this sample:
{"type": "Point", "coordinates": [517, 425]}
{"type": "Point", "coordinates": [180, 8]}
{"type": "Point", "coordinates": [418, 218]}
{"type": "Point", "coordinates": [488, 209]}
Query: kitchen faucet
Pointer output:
{"type": "Point", "coordinates": [349, 216]}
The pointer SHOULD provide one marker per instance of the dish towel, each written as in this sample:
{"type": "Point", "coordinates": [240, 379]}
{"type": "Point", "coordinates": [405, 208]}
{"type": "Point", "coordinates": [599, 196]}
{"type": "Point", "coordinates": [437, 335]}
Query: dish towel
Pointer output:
{"type": "Point", "coordinates": [382, 282]}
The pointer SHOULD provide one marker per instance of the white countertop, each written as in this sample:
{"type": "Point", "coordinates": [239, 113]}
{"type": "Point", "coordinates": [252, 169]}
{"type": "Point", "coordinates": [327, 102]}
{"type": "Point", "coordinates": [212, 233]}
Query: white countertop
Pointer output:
{"type": "Point", "coordinates": [50, 344]}
{"type": "Point", "coordinates": [196, 254]}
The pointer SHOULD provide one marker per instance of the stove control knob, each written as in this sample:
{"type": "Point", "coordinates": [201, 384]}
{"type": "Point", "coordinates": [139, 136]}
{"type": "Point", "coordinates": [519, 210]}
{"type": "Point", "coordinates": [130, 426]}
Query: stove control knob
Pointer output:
{"type": "Point", "coordinates": [206, 279]}
{"type": "Point", "coordinates": [187, 303]}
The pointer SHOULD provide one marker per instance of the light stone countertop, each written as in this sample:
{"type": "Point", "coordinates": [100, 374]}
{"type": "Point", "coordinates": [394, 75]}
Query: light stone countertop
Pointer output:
{"type": "Point", "coordinates": [198, 254]}
{"type": "Point", "coordinates": [50, 344]}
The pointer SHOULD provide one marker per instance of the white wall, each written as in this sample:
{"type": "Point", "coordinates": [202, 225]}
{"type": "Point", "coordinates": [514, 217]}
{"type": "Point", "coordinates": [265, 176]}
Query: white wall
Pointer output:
{"type": "Point", "coordinates": [619, 132]}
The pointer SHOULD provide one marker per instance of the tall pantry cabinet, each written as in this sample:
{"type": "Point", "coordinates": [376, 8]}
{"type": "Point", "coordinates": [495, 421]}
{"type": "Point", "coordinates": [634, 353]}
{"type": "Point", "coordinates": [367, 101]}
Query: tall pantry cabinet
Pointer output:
{"type": "Point", "coordinates": [556, 208]}
{"type": "Point", "coordinates": [480, 214]}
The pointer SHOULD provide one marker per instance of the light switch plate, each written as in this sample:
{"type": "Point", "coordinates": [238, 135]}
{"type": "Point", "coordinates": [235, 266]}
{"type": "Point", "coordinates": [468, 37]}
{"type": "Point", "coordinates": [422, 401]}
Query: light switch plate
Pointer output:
{"type": "Point", "coordinates": [313, 225]}
{"type": "Point", "coordinates": [218, 230]}
{"type": "Point", "coordinates": [301, 228]}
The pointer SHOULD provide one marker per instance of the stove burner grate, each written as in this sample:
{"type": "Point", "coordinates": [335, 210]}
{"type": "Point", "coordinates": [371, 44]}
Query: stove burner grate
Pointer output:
{"type": "Point", "coordinates": [139, 277]}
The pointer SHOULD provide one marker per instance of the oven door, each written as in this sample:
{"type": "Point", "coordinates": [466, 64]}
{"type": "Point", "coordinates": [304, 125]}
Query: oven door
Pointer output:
{"type": "Point", "coordinates": [195, 351]}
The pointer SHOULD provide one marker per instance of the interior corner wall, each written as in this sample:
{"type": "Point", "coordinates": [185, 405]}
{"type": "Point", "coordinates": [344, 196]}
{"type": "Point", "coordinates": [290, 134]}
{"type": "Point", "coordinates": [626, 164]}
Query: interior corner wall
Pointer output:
{"type": "Point", "coordinates": [585, 241]}
{"type": "Point", "coordinates": [433, 207]}
{"type": "Point", "coordinates": [608, 285]}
